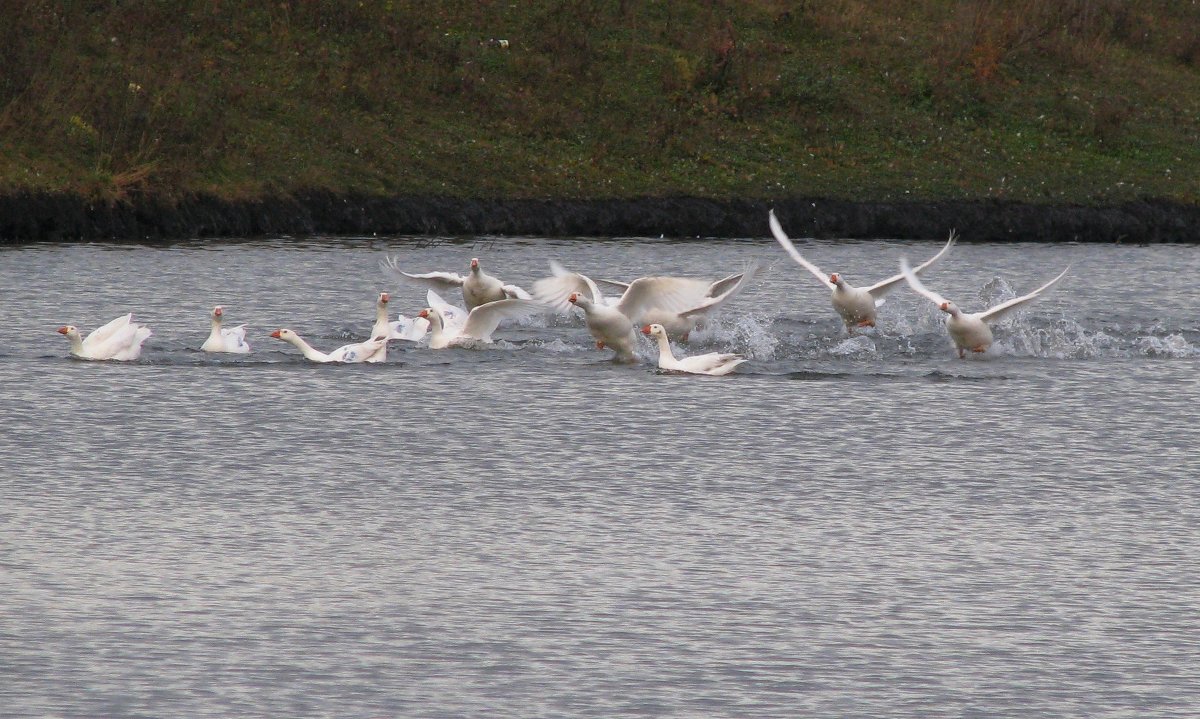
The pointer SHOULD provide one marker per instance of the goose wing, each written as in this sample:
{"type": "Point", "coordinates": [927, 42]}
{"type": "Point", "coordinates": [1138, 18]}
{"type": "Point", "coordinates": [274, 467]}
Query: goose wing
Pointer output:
{"type": "Point", "coordinates": [915, 283]}
{"type": "Point", "coordinates": [483, 320]}
{"type": "Point", "coordinates": [994, 313]}
{"type": "Point", "coordinates": [878, 289]}
{"type": "Point", "coordinates": [444, 281]}
{"type": "Point", "coordinates": [672, 294]}
{"type": "Point", "coordinates": [782, 238]}
{"type": "Point", "coordinates": [555, 289]}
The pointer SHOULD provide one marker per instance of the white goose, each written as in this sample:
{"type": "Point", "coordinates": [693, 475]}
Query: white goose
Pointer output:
{"type": "Point", "coordinates": [680, 323]}
{"type": "Point", "coordinates": [373, 350]}
{"type": "Point", "coordinates": [404, 328]}
{"type": "Point", "coordinates": [479, 324]}
{"type": "Point", "coordinates": [121, 340]}
{"type": "Point", "coordinates": [679, 303]}
{"type": "Point", "coordinates": [225, 339]}
{"type": "Point", "coordinates": [478, 287]}
{"type": "Point", "coordinates": [713, 363]}
{"type": "Point", "coordinates": [856, 305]}
{"type": "Point", "coordinates": [610, 327]}
{"type": "Point", "coordinates": [970, 331]}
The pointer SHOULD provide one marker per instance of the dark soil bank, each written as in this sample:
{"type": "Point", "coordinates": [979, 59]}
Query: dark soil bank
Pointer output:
{"type": "Point", "coordinates": [60, 217]}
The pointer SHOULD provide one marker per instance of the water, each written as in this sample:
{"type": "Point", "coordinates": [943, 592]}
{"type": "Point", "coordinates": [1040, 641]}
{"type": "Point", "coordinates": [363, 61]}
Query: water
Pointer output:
{"type": "Point", "coordinates": [848, 527]}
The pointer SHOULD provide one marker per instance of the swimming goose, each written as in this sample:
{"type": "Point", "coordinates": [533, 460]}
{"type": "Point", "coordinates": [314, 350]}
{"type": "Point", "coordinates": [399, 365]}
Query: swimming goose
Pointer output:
{"type": "Point", "coordinates": [225, 339]}
{"type": "Point", "coordinates": [856, 305]}
{"type": "Point", "coordinates": [404, 328]}
{"type": "Point", "coordinates": [713, 363]}
{"type": "Point", "coordinates": [120, 340]}
{"type": "Point", "coordinates": [373, 350]}
{"type": "Point", "coordinates": [970, 331]}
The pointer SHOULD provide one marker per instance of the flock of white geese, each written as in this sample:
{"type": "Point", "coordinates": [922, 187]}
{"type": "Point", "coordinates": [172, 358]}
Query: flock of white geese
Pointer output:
{"type": "Point", "coordinates": [663, 308]}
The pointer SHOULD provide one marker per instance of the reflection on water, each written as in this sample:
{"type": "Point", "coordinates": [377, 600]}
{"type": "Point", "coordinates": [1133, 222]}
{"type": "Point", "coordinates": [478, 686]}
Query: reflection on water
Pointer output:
{"type": "Point", "coordinates": [847, 527]}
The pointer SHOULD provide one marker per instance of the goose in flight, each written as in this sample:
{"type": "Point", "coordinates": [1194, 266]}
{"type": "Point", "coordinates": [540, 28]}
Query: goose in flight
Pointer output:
{"type": "Point", "coordinates": [856, 305]}
{"type": "Point", "coordinates": [970, 330]}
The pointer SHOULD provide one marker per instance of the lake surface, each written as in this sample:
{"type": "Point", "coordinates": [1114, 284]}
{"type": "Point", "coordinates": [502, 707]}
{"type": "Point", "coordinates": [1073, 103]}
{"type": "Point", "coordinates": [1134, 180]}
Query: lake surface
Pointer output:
{"type": "Point", "coordinates": [846, 527]}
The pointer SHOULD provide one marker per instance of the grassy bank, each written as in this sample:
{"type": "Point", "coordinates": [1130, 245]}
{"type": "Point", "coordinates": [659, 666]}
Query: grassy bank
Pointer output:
{"type": "Point", "coordinates": [1093, 101]}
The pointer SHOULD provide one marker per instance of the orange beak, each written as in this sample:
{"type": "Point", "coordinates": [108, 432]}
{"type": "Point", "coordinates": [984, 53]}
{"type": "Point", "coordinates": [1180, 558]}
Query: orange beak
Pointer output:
{"type": "Point", "coordinates": [474, 262]}
{"type": "Point", "coordinates": [275, 334]}
{"type": "Point", "coordinates": [62, 330]}
{"type": "Point", "coordinates": [945, 306]}
{"type": "Point", "coordinates": [423, 313]}
{"type": "Point", "coordinates": [383, 297]}
{"type": "Point", "coordinates": [218, 310]}
{"type": "Point", "coordinates": [573, 298]}
{"type": "Point", "coordinates": [833, 278]}
{"type": "Point", "coordinates": [646, 330]}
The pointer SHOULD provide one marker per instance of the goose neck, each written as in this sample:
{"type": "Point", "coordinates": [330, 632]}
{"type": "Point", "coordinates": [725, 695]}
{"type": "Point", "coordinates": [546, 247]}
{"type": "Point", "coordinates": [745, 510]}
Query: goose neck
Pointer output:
{"type": "Point", "coordinates": [308, 350]}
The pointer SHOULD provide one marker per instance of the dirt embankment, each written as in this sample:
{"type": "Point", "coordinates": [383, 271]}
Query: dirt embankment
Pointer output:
{"type": "Point", "coordinates": [36, 217]}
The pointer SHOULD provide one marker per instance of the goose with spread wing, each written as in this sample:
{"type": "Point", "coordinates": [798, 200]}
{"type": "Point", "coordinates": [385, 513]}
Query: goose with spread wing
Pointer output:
{"type": "Point", "coordinates": [856, 305]}
{"type": "Point", "coordinates": [677, 303]}
{"type": "Point", "coordinates": [479, 324]}
{"type": "Point", "coordinates": [970, 331]}
{"type": "Point", "coordinates": [120, 340]}
{"type": "Point", "coordinates": [689, 303]}
{"type": "Point", "coordinates": [477, 286]}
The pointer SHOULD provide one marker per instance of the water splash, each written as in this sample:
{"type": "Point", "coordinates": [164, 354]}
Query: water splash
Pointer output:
{"type": "Point", "coordinates": [1173, 346]}
{"type": "Point", "coordinates": [854, 346]}
{"type": "Point", "coordinates": [748, 335]}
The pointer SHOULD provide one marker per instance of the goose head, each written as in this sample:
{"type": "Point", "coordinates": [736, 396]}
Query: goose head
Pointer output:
{"type": "Point", "coordinates": [217, 312]}
{"type": "Point", "coordinates": [383, 298]}
{"type": "Point", "coordinates": [71, 331]}
{"type": "Point", "coordinates": [655, 330]}
{"type": "Point", "coordinates": [284, 334]}
{"type": "Point", "coordinates": [475, 265]}
{"type": "Point", "coordinates": [432, 316]}
{"type": "Point", "coordinates": [579, 300]}
{"type": "Point", "coordinates": [949, 308]}
{"type": "Point", "coordinates": [837, 280]}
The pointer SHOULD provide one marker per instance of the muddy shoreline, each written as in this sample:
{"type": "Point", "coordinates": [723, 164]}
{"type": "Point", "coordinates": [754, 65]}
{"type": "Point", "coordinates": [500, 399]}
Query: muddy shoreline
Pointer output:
{"type": "Point", "coordinates": [39, 217]}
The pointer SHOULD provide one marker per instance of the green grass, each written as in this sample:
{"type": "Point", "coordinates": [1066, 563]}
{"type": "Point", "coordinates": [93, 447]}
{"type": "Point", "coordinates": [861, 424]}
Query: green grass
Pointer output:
{"type": "Point", "coordinates": [1077, 101]}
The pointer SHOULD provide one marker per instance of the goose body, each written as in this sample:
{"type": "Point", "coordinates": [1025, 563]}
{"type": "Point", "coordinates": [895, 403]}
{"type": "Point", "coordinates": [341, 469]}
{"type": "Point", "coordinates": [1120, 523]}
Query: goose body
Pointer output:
{"type": "Point", "coordinates": [610, 327]}
{"type": "Point", "coordinates": [970, 330]}
{"type": "Point", "coordinates": [411, 329]}
{"type": "Point", "coordinates": [713, 363]}
{"type": "Point", "coordinates": [446, 329]}
{"type": "Point", "coordinates": [373, 350]}
{"type": "Point", "coordinates": [121, 340]}
{"type": "Point", "coordinates": [478, 287]}
{"type": "Point", "coordinates": [225, 339]}
{"type": "Point", "coordinates": [857, 306]}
